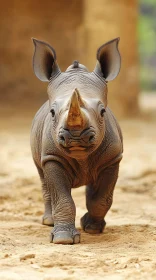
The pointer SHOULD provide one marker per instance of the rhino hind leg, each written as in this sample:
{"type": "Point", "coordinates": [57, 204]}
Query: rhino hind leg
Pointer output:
{"type": "Point", "coordinates": [92, 225]}
{"type": "Point", "coordinates": [47, 218]}
{"type": "Point", "coordinates": [99, 199]}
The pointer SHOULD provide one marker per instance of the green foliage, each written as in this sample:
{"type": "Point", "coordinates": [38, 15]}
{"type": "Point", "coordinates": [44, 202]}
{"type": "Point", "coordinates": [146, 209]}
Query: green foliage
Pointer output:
{"type": "Point", "coordinates": [146, 36]}
{"type": "Point", "coordinates": [152, 3]}
{"type": "Point", "coordinates": [147, 44]}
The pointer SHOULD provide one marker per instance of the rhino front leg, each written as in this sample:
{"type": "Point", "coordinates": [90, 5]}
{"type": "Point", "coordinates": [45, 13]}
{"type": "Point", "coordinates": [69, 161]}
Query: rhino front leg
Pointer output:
{"type": "Point", "coordinates": [47, 217]}
{"type": "Point", "coordinates": [99, 199]}
{"type": "Point", "coordinates": [63, 207]}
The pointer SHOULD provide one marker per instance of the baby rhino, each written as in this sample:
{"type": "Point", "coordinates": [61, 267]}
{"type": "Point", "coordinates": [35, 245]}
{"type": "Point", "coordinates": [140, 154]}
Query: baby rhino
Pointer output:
{"type": "Point", "coordinates": [76, 140]}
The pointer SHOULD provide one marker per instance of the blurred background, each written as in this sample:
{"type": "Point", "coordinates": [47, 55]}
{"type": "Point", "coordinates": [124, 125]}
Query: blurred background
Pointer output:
{"type": "Point", "coordinates": [76, 28]}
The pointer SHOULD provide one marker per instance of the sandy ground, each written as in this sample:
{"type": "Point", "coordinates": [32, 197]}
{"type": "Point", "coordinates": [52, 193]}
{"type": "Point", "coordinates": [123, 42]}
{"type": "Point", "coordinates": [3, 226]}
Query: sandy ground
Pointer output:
{"type": "Point", "coordinates": [127, 248]}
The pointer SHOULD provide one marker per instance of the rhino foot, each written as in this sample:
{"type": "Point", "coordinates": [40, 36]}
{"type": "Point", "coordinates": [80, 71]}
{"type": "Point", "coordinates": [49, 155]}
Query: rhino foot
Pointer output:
{"type": "Point", "coordinates": [47, 220]}
{"type": "Point", "coordinates": [64, 235]}
{"type": "Point", "coordinates": [91, 225]}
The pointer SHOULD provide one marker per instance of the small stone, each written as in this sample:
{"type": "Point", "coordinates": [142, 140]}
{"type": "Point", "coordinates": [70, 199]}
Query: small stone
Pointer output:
{"type": "Point", "coordinates": [36, 266]}
{"type": "Point", "coordinates": [48, 264]}
{"type": "Point", "coordinates": [133, 260]}
{"type": "Point", "coordinates": [27, 256]}
{"type": "Point", "coordinates": [114, 210]}
{"type": "Point", "coordinates": [146, 259]}
{"type": "Point", "coordinates": [125, 266]}
{"type": "Point", "coordinates": [137, 266]}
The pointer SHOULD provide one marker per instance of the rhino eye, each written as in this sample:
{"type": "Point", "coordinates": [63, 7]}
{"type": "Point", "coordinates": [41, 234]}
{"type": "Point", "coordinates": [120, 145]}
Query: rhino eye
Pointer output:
{"type": "Point", "coordinates": [52, 112]}
{"type": "Point", "coordinates": [102, 112]}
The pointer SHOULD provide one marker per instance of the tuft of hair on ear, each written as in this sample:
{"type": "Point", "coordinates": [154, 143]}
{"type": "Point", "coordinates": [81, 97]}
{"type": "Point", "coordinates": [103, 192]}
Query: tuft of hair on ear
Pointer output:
{"type": "Point", "coordinates": [75, 64]}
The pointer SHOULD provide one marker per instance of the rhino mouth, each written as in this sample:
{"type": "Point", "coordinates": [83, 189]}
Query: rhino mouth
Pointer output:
{"type": "Point", "coordinates": [78, 148]}
{"type": "Point", "coordinates": [77, 140]}
{"type": "Point", "coordinates": [78, 151]}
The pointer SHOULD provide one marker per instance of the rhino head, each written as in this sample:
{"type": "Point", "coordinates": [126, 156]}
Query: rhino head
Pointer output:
{"type": "Point", "coordinates": [77, 97]}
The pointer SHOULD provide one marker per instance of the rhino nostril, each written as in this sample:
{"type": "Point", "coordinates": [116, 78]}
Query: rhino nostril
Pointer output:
{"type": "Point", "coordinates": [62, 138]}
{"type": "Point", "coordinates": [91, 138]}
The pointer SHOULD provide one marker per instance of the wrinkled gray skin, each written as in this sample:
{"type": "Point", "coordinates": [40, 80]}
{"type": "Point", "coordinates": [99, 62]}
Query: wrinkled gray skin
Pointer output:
{"type": "Point", "coordinates": [76, 140]}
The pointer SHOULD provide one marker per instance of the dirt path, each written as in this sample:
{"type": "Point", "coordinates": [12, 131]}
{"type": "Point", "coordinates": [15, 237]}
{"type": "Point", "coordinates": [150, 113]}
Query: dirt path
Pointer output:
{"type": "Point", "coordinates": [127, 248]}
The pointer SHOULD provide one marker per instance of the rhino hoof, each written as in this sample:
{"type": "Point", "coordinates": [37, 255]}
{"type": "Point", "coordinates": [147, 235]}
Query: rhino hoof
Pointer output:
{"type": "Point", "coordinates": [64, 237]}
{"type": "Point", "coordinates": [92, 226]}
{"type": "Point", "coordinates": [76, 239]}
{"type": "Point", "coordinates": [47, 221]}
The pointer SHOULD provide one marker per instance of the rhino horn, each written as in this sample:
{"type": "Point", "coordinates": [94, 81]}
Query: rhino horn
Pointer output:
{"type": "Point", "coordinates": [81, 102]}
{"type": "Point", "coordinates": [75, 115]}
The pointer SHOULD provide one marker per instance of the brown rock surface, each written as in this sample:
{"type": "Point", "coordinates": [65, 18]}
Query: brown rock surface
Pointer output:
{"type": "Point", "coordinates": [76, 29]}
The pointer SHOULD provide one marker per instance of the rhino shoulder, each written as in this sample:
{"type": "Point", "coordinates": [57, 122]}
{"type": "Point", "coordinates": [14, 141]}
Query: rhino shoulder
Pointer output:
{"type": "Point", "coordinates": [111, 148]}
{"type": "Point", "coordinates": [113, 132]}
{"type": "Point", "coordinates": [37, 131]}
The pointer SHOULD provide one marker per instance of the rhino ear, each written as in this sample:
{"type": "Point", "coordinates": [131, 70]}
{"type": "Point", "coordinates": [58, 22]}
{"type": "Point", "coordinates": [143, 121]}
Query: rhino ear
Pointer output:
{"type": "Point", "coordinates": [44, 61]}
{"type": "Point", "coordinates": [108, 60]}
